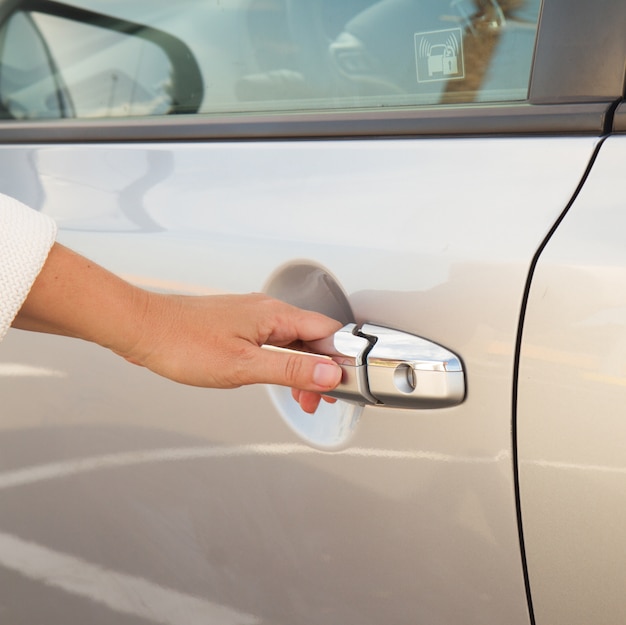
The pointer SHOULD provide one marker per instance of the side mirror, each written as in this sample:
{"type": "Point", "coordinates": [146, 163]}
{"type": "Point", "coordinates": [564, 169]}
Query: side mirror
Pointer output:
{"type": "Point", "coordinates": [60, 61]}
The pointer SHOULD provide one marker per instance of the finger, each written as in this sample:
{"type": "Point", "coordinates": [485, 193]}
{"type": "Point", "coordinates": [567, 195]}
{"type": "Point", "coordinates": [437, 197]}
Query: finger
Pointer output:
{"type": "Point", "coordinates": [301, 325]}
{"type": "Point", "coordinates": [307, 404]}
{"type": "Point", "coordinates": [294, 369]}
{"type": "Point", "coordinates": [309, 401]}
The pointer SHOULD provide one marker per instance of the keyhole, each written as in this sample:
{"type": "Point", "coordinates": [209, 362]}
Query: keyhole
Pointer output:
{"type": "Point", "coordinates": [404, 378]}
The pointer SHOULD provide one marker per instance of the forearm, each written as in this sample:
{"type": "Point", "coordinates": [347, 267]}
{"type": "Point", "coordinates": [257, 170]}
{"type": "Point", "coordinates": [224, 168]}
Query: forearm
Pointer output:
{"type": "Point", "coordinates": [73, 296]}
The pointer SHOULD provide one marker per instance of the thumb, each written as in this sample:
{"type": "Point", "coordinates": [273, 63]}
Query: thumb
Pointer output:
{"type": "Point", "coordinates": [287, 367]}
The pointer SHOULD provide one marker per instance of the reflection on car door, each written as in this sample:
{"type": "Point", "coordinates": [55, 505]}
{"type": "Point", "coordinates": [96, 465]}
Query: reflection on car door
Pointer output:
{"type": "Point", "coordinates": [127, 498]}
{"type": "Point", "coordinates": [209, 493]}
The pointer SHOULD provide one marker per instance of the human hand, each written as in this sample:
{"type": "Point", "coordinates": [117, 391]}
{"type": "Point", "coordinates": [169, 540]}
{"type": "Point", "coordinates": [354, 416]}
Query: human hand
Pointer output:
{"type": "Point", "coordinates": [217, 341]}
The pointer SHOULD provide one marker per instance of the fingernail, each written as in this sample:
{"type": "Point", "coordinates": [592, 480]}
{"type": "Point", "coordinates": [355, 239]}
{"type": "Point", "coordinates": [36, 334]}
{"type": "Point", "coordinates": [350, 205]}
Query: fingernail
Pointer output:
{"type": "Point", "coordinates": [326, 374]}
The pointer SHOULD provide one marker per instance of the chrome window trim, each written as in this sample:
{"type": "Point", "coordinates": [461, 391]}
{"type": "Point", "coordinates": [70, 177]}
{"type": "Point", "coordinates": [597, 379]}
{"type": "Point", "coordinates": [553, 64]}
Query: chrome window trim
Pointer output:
{"type": "Point", "coordinates": [527, 119]}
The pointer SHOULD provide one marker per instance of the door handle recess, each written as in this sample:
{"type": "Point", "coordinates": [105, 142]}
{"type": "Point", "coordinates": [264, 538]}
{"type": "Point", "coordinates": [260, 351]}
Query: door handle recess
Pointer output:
{"type": "Point", "coordinates": [382, 366]}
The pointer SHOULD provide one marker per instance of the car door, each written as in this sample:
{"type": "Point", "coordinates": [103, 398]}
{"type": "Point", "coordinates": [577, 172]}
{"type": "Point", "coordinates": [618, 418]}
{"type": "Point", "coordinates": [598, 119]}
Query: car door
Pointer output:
{"type": "Point", "coordinates": [572, 382]}
{"type": "Point", "coordinates": [389, 164]}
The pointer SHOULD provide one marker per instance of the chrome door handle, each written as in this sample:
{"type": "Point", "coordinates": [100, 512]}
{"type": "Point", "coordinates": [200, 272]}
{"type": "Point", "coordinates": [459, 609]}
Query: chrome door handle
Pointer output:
{"type": "Point", "coordinates": [382, 366]}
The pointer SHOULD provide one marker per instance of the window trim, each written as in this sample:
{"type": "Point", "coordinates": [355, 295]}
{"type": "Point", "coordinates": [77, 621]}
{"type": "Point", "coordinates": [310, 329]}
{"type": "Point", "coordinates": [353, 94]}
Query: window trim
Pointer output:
{"type": "Point", "coordinates": [523, 119]}
{"type": "Point", "coordinates": [620, 118]}
{"type": "Point", "coordinates": [563, 72]}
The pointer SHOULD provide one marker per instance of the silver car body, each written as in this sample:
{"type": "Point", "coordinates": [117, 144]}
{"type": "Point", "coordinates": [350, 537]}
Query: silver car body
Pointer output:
{"type": "Point", "coordinates": [127, 498]}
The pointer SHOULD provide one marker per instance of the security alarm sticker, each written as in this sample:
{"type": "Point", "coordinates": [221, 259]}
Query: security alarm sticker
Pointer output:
{"type": "Point", "coordinates": [439, 55]}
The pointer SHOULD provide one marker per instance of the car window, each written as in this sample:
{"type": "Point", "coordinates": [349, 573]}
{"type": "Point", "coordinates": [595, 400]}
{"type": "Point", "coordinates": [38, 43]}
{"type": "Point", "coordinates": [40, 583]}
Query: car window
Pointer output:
{"type": "Point", "coordinates": [97, 58]}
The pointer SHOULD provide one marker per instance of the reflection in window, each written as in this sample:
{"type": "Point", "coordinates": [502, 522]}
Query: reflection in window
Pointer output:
{"type": "Point", "coordinates": [107, 73]}
{"type": "Point", "coordinates": [28, 85]}
{"type": "Point", "coordinates": [264, 56]}
{"type": "Point", "coordinates": [398, 53]}
{"type": "Point", "coordinates": [59, 67]}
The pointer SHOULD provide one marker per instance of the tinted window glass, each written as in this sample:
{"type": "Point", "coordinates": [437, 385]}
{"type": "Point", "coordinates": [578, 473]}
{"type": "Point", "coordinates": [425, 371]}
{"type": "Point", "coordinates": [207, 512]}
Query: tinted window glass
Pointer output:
{"type": "Point", "coordinates": [152, 57]}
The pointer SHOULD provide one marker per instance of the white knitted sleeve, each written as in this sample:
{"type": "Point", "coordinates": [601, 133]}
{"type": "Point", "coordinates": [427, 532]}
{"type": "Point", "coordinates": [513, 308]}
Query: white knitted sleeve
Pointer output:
{"type": "Point", "coordinates": [26, 237]}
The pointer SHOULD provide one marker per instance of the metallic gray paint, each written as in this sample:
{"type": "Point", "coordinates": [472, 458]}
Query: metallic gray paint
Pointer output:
{"type": "Point", "coordinates": [206, 495]}
{"type": "Point", "coordinates": [572, 408]}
